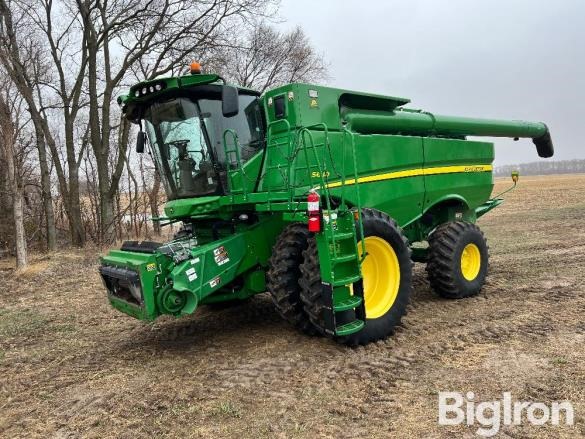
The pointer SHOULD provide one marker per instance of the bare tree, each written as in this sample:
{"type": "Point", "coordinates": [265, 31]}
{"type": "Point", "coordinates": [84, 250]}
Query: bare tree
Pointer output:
{"type": "Point", "coordinates": [41, 146]}
{"type": "Point", "coordinates": [69, 59]}
{"type": "Point", "coordinates": [153, 37]}
{"type": "Point", "coordinates": [9, 137]}
{"type": "Point", "coordinates": [152, 190]}
{"type": "Point", "coordinates": [21, 62]}
{"type": "Point", "coordinates": [93, 46]}
{"type": "Point", "coordinates": [268, 58]}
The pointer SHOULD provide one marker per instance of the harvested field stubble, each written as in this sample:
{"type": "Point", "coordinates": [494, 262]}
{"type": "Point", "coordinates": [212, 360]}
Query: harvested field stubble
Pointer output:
{"type": "Point", "coordinates": [71, 366]}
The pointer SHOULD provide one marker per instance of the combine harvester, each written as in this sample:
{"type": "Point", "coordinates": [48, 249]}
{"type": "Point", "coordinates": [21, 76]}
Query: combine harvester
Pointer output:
{"type": "Point", "coordinates": [312, 193]}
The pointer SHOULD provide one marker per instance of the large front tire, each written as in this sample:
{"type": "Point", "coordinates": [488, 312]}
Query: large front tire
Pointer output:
{"type": "Point", "coordinates": [387, 280]}
{"type": "Point", "coordinates": [458, 260]}
{"type": "Point", "coordinates": [284, 273]}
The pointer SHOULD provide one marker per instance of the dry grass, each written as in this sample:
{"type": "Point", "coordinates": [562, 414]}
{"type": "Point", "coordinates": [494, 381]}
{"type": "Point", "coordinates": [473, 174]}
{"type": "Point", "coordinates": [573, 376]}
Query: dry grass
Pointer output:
{"type": "Point", "coordinates": [73, 367]}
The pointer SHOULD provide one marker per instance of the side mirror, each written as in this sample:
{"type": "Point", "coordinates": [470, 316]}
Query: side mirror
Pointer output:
{"type": "Point", "coordinates": [140, 142]}
{"type": "Point", "coordinates": [230, 105]}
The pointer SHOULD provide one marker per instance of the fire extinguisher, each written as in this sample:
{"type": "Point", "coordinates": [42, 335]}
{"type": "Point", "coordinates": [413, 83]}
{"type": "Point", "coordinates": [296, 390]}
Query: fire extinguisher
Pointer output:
{"type": "Point", "coordinates": [314, 211]}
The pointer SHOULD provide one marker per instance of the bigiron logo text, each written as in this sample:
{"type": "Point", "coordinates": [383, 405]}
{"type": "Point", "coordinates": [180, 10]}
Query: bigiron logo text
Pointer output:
{"type": "Point", "coordinates": [457, 409]}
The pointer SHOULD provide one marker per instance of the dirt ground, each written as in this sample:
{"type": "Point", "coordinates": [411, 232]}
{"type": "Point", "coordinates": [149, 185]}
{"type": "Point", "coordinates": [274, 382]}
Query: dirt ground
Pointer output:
{"type": "Point", "coordinates": [71, 366]}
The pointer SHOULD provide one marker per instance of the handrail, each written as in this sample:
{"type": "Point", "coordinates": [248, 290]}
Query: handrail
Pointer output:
{"type": "Point", "coordinates": [357, 188]}
{"type": "Point", "coordinates": [269, 143]}
{"type": "Point", "coordinates": [236, 151]}
{"type": "Point", "coordinates": [305, 133]}
{"type": "Point", "coordinates": [307, 130]}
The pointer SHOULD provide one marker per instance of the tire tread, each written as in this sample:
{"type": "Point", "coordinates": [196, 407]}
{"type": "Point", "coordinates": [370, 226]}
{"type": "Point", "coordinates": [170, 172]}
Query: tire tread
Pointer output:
{"type": "Point", "coordinates": [442, 254]}
{"type": "Point", "coordinates": [283, 276]}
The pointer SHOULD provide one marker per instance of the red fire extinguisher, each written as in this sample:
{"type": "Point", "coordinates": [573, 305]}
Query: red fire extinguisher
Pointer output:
{"type": "Point", "coordinates": [314, 211]}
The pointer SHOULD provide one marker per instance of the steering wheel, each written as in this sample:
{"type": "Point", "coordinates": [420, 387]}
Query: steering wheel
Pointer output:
{"type": "Point", "coordinates": [182, 145]}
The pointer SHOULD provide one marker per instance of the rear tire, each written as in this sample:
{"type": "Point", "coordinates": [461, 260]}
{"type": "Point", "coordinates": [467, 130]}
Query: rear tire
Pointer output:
{"type": "Point", "coordinates": [284, 273]}
{"type": "Point", "coordinates": [384, 307]}
{"type": "Point", "coordinates": [458, 260]}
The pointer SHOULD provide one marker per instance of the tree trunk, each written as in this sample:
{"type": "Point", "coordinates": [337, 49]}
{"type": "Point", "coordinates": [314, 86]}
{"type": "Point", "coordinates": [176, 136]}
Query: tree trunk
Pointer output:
{"type": "Point", "coordinates": [74, 209]}
{"type": "Point", "coordinates": [153, 201]}
{"type": "Point", "coordinates": [19, 234]}
{"type": "Point", "coordinates": [75, 221]}
{"type": "Point", "coordinates": [7, 143]}
{"type": "Point", "coordinates": [46, 188]}
{"type": "Point", "coordinates": [108, 183]}
{"type": "Point", "coordinates": [5, 205]}
{"type": "Point", "coordinates": [107, 231]}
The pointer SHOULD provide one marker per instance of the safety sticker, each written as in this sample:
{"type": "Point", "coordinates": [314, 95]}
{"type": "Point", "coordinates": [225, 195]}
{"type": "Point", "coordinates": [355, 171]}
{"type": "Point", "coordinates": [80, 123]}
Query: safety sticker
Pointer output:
{"type": "Point", "coordinates": [151, 266]}
{"type": "Point", "coordinates": [194, 261]}
{"type": "Point", "coordinates": [190, 271]}
{"type": "Point", "coordinates": [215, 282]}
{"type": "Point", "coordinates": [331, 218]}
{"type": "Point", "coordinates": [221, 255]}
{"type": "Point", "coordinates": [192, 277]}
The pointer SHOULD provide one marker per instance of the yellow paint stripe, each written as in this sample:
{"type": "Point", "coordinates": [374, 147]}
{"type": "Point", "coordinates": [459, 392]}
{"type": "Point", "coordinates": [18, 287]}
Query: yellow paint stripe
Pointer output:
{"type": "Point", "coordinates": [416, 173]}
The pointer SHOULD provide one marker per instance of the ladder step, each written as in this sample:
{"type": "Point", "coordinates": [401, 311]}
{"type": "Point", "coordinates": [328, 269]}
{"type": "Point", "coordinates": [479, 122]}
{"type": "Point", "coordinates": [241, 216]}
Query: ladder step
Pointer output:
{"type": "Point", "coordinates": [350, 328]}
{"type": "Point", "coordinates": [347, 304]}
{"type": "Point", "coordinates": [346, 280]}
{"type": "Point", "coordinates": [341, 236]}
{"type": "Point", "coordinates": [344, 258]}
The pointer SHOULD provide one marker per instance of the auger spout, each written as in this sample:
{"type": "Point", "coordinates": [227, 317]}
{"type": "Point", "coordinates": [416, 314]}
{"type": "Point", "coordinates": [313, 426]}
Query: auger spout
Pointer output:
{"type": "Point", "coordinates": [422, 123]}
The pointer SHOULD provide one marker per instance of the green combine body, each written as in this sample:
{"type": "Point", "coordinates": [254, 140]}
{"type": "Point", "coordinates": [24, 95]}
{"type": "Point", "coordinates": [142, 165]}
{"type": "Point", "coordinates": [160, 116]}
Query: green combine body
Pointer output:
{"type": "Point", "coordinates": [240, 169]}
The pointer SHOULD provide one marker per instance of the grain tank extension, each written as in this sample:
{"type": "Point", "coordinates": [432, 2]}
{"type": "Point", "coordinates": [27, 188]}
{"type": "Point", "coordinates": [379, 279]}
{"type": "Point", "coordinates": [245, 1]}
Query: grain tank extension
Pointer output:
{"type": "Point", "coordinates": [323, 197]}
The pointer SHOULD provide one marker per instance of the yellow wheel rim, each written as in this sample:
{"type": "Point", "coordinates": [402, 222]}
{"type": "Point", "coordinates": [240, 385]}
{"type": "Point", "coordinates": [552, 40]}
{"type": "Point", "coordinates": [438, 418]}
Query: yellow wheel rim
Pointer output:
{"type": "Point", "coordinates": [381, 275]}
{"type": "Point", "coordinates": [470, 262]}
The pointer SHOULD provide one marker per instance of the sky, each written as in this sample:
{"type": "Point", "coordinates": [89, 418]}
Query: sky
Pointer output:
{"type": "Point", "coordinates": [514, 59]}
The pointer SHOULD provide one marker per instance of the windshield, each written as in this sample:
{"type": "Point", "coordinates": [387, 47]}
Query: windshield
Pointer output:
{"type": "Point", "coordinates": [186, 137]}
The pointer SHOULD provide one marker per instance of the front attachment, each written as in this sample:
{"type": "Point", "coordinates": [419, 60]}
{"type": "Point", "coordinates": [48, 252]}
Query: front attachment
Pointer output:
{"type": "Point", "coordinates": [146, 280]}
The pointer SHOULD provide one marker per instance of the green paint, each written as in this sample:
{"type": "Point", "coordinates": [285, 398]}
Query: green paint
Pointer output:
{"type": "Point", "coordinates": [357, 149]}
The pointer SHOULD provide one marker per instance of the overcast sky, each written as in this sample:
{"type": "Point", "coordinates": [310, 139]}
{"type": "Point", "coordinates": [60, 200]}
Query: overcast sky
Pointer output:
{"type": "Point", "coordinates": [515, 59]}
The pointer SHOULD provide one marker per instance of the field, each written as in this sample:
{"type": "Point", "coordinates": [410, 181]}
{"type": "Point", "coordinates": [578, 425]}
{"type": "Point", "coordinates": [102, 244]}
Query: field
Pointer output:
{"type": "Point", "coordinates": [70, 366]}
